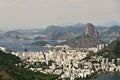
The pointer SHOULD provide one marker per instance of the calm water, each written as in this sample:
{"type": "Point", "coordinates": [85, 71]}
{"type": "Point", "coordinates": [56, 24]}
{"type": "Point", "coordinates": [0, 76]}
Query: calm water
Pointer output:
{"type": "Point", "coordinates": [112, 76]}
{"type": "Point", "coordinates": [19, 45]}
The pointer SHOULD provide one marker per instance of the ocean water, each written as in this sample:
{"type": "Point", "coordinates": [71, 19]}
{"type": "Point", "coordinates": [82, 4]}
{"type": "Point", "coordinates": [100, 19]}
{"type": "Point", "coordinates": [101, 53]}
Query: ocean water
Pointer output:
{"type": "Point", "coordinates": [21, 45]}
{"type": "Point", "coordinates": [110, 76]}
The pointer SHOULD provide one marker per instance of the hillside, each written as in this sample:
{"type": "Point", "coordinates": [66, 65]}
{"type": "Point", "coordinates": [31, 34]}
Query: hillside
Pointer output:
{"type": "Point", "coordinates": [59, 35]}
{"type": "Point", "coordinates": [81, 42]}
{"type": "Point", "coordinates": [9, 70]}
{"type": "Point", "coordinates": [112, 50]}
{"type": "Point", "coordinates": [89, 39]}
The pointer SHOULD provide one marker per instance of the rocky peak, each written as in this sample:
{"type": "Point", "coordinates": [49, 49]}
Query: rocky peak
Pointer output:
{"type": "Point", "coordinates": [90, 30]}
{"type": "Point", "coordinates": [90, 39]}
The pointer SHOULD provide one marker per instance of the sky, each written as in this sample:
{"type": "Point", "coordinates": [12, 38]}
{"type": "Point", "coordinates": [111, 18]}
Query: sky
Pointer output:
{"type": "Point", "coordinates": [25, 14]}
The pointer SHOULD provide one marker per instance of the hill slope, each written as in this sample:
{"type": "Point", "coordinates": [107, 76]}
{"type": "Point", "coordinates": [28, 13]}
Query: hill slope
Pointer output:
{"type": "Point", "coordinates": [89, 39]}
{"type": "Point", "coordinates": [9, 70]}
{"type": "Point", "coordinates": [81, 42]}
{"type": "Point", "coordinates": [112, 50]}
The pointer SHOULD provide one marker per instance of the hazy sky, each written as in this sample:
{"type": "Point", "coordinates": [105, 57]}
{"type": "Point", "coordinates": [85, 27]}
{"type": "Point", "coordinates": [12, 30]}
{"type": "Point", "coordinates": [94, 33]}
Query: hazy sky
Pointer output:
{"type": "Point", "coordinates": [41, 13]}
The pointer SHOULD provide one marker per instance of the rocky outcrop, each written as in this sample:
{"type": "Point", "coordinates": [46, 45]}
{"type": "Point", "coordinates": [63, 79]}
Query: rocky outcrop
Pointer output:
{"type": "Point", "coordinates": [90, 30]}
{"type": "Point", "coordinates": [89, 39]}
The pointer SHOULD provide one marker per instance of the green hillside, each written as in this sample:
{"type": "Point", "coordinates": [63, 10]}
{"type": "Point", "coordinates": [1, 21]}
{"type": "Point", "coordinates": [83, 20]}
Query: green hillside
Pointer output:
{"type": "Point", "coordinates": [9, 70]}
{"type": "Point", "coordinates": [112, 50]}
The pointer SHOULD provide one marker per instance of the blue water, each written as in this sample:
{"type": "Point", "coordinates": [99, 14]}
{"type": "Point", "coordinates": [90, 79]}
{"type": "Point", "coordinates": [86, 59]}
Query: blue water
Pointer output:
{"type": "Point", "coordinates": [21, 45]}
{"type": "Point", "coordinates": [112, 76]}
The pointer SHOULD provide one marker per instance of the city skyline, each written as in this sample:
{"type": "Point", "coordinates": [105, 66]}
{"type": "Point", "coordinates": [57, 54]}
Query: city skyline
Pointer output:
{"type": "Point", "coordinates": [16, 14]}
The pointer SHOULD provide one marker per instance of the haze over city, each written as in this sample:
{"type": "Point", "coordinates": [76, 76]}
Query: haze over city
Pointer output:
{"type": "Point", "coordinates": [16, 14]}
{"type": "Point", "coordinates": [59, 40]}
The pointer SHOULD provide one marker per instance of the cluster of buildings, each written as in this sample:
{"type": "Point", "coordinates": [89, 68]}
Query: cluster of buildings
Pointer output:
{"type": "Point", "coordinates": [68, 62]}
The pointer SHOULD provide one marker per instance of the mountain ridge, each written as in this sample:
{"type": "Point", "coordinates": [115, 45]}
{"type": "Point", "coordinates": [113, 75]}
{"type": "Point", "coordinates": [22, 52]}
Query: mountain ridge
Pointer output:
{"type": "Point", "coordinates": [89, 39]}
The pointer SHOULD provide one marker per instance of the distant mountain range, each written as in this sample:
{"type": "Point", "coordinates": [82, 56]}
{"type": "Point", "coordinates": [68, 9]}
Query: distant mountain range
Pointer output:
{"type": "Point", "coordinates": [21, 34]}
{"type": "Point", "coordinates": [110, 34]}
{"type": "Point", "coordinates": [106, 33]}
{"type": "Point", "coordinates": [76, 29]}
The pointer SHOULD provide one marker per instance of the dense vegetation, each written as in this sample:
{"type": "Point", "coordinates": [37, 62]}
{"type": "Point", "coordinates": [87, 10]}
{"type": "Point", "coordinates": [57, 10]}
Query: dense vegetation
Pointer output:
{"type": "Point", "coordinates": [9, 70]}
{"type": "Point", "coordinates": [112, 50]}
